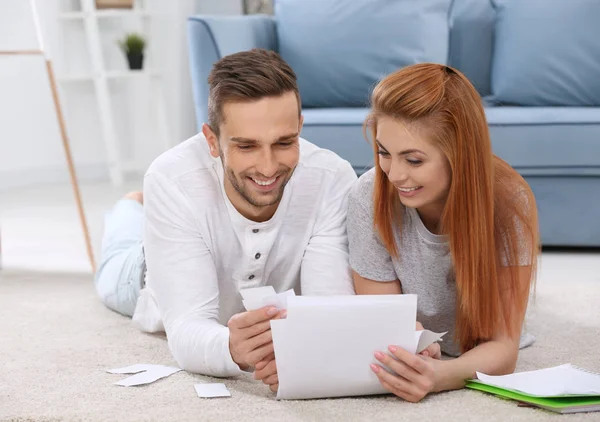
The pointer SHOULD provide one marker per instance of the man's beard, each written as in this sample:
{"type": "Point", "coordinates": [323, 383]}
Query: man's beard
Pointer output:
{"type": "Point", "coordinates": [241, 188]}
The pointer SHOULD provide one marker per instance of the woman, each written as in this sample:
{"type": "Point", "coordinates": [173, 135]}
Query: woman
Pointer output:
{"type": "Point", "coordinates": [441, 217]}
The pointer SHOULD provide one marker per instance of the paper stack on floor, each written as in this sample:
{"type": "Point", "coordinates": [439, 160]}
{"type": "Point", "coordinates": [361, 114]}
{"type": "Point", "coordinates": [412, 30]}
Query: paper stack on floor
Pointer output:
{"type": "Point", "coordinates": [325, 345]}
{"type": "Point", "coordinates": [561, 389]}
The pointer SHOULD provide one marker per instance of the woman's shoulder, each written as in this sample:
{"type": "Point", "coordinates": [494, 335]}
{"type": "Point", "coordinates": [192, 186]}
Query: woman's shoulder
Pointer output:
{"type": "Point", "coordinates": [511, 189]}
{"type": "Point", "coordinates": [363, 187]}
{"type": "Point", "coordinates": [516, 218]}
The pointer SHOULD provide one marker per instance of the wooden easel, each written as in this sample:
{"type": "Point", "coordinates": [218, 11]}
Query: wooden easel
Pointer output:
{"type": "Point", "coordinates": [63, 130]}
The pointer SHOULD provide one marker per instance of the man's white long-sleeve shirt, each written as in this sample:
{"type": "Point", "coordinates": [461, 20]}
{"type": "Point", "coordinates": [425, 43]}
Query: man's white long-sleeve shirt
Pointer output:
{"type": "Point", "coordinates": [200, 251]}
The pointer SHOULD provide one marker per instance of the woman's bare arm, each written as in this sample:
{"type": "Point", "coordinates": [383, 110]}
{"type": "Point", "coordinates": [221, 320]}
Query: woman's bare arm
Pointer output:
{"type": "Point", "coordinates": [364, 286]}
{"type": "Point", "coordinates": [495, 357]}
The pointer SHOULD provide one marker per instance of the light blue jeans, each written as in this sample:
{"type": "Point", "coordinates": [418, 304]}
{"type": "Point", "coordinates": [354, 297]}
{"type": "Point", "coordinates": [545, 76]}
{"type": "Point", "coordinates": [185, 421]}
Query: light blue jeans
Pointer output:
{"type": "Point", "coordinates": [120, 274]}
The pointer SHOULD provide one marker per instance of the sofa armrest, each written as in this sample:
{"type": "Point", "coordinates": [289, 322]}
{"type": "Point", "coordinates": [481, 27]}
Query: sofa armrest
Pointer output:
{"type": "Point", "coordinates": [212, 37]}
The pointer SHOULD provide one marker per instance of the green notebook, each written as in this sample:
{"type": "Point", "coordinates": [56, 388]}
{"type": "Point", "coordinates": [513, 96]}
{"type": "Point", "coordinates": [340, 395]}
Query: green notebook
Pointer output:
{"type": "Point", "coordinates": [562, 389]}
{"type": "Point", "coordinates": [568, 404]}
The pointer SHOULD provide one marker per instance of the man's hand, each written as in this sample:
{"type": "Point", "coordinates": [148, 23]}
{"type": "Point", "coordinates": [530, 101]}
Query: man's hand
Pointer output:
{"type": "Point", "coordinates": [250, 338]}
{"type": "Point", "coordinates": [266, 371]}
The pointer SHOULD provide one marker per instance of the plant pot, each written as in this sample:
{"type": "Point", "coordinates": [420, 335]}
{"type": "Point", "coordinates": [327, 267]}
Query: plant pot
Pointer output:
{"type": "Point", "coordinates": [136, 61]}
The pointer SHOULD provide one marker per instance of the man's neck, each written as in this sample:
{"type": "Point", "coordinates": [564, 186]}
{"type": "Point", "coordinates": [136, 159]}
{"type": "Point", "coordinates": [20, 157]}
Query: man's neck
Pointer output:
{"type": "Point", "coordinates": [249, 211]}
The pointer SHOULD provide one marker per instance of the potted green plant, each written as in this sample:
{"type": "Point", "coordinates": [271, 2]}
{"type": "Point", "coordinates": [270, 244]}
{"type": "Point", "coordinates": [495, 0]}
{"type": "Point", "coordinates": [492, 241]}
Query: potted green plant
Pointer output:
{"type": "Point", "coordinates": [133, 46]}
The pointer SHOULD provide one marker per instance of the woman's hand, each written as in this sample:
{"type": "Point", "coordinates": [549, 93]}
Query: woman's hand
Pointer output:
{"type": "Point", "coordinates": [412, 377]}
{"type": "Point", "coordinates": [433, 351]}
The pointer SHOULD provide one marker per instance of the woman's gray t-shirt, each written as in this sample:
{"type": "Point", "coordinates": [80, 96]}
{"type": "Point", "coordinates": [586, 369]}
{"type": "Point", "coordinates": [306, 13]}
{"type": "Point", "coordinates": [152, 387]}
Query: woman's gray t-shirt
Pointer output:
{"type": "Point", "coordinates": [424, 266]}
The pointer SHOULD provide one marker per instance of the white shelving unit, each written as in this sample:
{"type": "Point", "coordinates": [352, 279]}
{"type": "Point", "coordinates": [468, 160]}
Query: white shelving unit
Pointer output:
{"type": "Point", "coordinates": [85, 13]}
{"type": "Point", "coordinates": [106, 13]}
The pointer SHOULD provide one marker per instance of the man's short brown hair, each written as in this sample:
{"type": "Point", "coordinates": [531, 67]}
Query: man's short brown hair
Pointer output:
{"type": "Point", "coordinates": [247, 76]}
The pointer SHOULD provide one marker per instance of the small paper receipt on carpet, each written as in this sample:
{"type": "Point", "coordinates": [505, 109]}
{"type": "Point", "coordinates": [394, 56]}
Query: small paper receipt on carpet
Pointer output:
{"type": "Point", "coordinates": [212, 390]}
{"type": "Point", "coordinates": [144, 374]}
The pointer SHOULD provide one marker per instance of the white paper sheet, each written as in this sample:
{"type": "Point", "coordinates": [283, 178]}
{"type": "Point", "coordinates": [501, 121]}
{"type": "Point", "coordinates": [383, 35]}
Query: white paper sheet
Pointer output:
{"type": "Point", "coordinates": [212, 390]}
{"type": "Point", "coordinates": [260, 297]}
{"type": "Point", "coordinates": [325, 346]}
{"type": "Point", "coordinates": [144, 374]}
{"type": "Point", "coordinates": [133, 369]}
{"type": "Point", "coordinates": [257, 292]}
{"type": "Point", "coordinates": [555, 381]}
{"type": "Point", "coordinates": [426, 337]}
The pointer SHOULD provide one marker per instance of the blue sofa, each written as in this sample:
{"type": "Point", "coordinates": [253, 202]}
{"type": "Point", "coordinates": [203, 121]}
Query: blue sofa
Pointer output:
{"type": "Point", "coordinates": [549, 133]}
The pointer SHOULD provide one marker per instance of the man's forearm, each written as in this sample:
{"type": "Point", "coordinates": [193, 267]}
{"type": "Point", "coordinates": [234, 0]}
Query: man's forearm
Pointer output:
{"type": "Point", "coordinates": [492, 358]}
{"type": "Point", "coordinates": [202, 347]}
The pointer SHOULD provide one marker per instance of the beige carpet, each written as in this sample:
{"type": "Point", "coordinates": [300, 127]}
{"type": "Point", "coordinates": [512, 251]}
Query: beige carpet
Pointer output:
{"type": "Point", "coordinates": [57, 340]}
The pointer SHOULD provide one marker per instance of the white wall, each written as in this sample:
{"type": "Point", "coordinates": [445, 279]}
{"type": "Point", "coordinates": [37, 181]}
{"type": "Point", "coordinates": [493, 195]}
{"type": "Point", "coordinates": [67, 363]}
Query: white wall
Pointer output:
{"type": "Point", "coordinates": [30, 144]}
{"type": "Point", "coordinates": [28, 130]}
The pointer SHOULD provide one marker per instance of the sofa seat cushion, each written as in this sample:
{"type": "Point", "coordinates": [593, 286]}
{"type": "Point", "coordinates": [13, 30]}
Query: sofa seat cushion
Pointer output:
{"type": "Point", "coordinates": [335, 116]}
{"type": "Point", "coordinates": [534, 140]}
{"type": "Point", "coordinates": [340, 49]}
{"type": "Point", "coordinates": [552, 140]}
{"type": "Point", "coordinates": [542, 115]}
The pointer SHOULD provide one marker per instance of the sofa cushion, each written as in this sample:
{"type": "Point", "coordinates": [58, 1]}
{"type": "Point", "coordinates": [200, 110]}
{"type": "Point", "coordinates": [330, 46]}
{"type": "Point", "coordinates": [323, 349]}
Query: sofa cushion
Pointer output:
{"type": "Point", "coordinates": [547, 53]}
{"type": "Point", "coordinates": [535, 140]}
{"type": "Point", "coordinates": [340, 130]}
{"type": "Point", "coordinates": [547, 140]}
{"type": "Point", "coordinates": [472, 41]}
{"type": "Point", "coordinates": [340, 49]}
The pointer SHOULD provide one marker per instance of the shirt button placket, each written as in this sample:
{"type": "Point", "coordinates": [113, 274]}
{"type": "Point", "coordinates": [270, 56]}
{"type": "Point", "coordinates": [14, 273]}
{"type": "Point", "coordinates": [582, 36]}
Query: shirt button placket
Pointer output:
{"type": "Point", "coordinates": [256, 256]}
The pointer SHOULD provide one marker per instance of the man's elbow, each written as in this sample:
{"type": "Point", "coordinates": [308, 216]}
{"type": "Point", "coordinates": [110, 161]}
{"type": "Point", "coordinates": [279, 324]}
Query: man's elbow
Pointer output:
{"type": "Point", "coordinates": [194, 366]}
{"type": "Point", "coordinates": [187, 364]}
{"type": "Point", "coordinates": [196, 363]}
{"type": "Point", "coordinates": [187, 361]}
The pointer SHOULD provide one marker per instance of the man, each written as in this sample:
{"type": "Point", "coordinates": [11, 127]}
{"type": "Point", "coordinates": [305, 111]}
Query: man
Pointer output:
{"type": "Point", "coordinates": [246, 203]}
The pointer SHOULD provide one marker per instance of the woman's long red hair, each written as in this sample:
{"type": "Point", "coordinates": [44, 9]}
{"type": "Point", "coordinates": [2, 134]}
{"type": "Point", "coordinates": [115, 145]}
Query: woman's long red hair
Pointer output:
{"type": "Point", "coordinates": [490, 215]}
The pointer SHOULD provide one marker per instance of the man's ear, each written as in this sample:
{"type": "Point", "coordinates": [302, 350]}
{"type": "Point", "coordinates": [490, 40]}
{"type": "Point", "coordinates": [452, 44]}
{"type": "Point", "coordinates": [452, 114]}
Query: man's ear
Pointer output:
{"type": "Point", "coordinates": [301, 123]}
{"type": "Point", "coordinates": [211, 139]}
